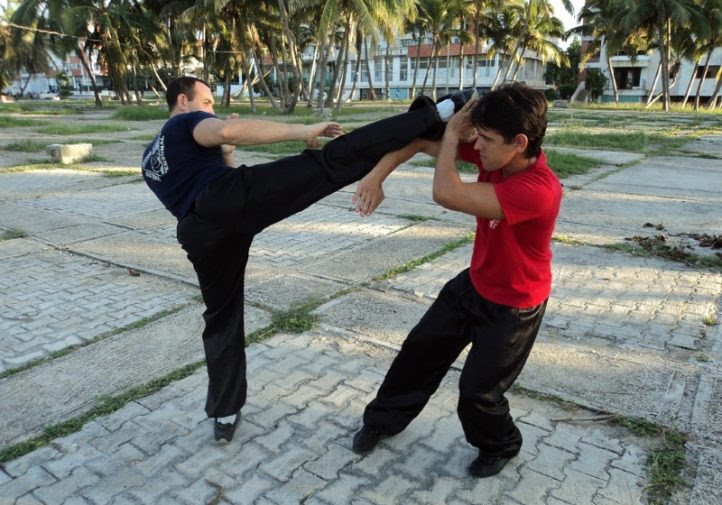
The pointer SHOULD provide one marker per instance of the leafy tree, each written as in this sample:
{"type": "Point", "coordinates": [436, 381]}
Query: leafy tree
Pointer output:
{"type": "Point", "coordinates": [594, 83]}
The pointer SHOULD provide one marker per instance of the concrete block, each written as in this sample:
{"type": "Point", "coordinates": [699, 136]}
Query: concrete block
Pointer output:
{"type": "Point", "coordinates": [69, 153]}
{"type": "Point", "coordinates": [560, 104]}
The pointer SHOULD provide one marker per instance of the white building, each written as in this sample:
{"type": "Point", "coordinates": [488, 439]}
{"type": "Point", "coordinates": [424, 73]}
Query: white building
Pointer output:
{"type": "Point", "coordinates": [636, 79]}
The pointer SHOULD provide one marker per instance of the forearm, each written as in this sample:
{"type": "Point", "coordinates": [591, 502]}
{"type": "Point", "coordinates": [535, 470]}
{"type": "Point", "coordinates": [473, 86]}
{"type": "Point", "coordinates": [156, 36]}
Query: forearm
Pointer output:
{"type": "Point", "coordinates": [256, 131]}
{"type": "Point", "coordinates": [391, 160]}
{"type": "Point", "coordinates": [447, 181]}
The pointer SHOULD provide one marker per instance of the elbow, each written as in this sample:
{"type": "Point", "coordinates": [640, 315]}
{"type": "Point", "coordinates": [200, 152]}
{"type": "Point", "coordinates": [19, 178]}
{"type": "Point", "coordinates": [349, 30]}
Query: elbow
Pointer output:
{"type": "Point", "coordinates": [225, 135]}
{"type": "Point", "coordinates": [440, 196]}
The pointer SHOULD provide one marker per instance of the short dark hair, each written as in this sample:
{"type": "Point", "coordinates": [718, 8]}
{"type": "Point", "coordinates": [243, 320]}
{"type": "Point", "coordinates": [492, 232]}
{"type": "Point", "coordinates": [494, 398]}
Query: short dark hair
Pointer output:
{"type": "Point", "coordinates": [511, 109]}
{"type": "Point", "coordinates": [181, 86]}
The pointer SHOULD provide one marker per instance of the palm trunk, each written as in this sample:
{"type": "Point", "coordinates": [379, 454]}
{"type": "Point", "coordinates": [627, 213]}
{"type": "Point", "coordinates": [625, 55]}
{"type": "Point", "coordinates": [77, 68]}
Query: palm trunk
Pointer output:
{"type": "Point", "coordinates": [312, 74]}
{"type": "Point", "coordinates": [387, 74]}
{"type": "Point", "coordinates": [477, 42]}
{"type": "Point", "coordinates": [296, 64]}
{"type": "Point", "coordinates": [342, 82]}
{"type": "Point", "coordinates": [498, 71]}
{"type": "Point", "coordinates": [662, 29]}
{"type": "Point", "coordinates": [461, 66]}
{"type": "Point", "coordinates": [322, 74]}
{"type": "Point", "coordinates": [226, 100]}
{"type": "Point", "coordinates": [689, 85]}
{"type": "Point", "coordinates": [337, 66]}
{"type": "Point", "coordinates": [428, 66]}
{"type": "Point", "coordinates": [519, 63]}
{"type": "Point", "coordinates": [702, 78]}
{"type": "Point", "coordinates": [654, 84]}
{"type": "Point", "coordinates": [416, 68]}
{"type": "Point", "coordinates": [713, 99]}
{"type": "Point", "coordinates": [357, 65]}
{"type": "Point", "coordinates": [612, 77]}
{"type": "Point", "coordinates": [372, 91]}
{"type": "Point", "coordinates": [86, 65]}
{"type": "Point", "coordinates": [262, 79]}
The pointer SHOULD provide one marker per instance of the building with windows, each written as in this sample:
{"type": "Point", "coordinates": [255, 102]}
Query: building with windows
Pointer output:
{"type": "Point", "coordinates": [639, 77]}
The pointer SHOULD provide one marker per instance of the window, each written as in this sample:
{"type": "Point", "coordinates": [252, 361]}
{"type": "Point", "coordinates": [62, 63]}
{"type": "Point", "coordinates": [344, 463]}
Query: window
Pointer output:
{"type": "Point", "coordinates": [711, 72]}
{"type": "Point", "coordinates": [627, 77]}
{"type": "Point", "coordinates": [404, 67]}
{"type": "Point", "coordinates": [378, 68]}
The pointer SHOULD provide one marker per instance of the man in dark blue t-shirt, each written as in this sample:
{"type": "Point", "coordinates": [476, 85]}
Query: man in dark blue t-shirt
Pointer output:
{"type": "Point", "coordinates": [220, 209]}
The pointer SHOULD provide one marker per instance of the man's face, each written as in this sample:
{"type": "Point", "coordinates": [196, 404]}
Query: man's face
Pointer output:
{"type": "Point", "coordinates": [202, 100]}
{"type": "Point", "coordinates": [493, 149]}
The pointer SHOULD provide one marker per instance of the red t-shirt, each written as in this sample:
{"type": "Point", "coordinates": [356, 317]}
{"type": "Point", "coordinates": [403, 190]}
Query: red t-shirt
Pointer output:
{"type": "Point", "coordinates": [511, 262]}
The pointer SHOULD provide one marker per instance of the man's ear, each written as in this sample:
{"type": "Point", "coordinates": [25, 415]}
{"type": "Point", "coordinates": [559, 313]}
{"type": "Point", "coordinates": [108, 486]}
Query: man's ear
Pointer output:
{"type": "Point", "coordinates": [182, 102]}
{"type": "Point", "coordinates": [522, 141]}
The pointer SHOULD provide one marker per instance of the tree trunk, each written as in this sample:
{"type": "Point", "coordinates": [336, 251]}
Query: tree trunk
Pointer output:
{"type": "Point", "coordinates": [702, 78]}
{"type": "Point", "coordinates": [654, 84]}
{"type": "Point", "coordinates": [498, 70]}
{"type": "Point", "coordinates": [134, 69]}
{"type": "Point", "coordinates": [448, 67]}
{"type": "Point", "coordinates": [662, 30]}
{"type": "Point", "coordinates": [477, 41]}
{"type": "Point", "coordinates": [357, 65]}
{"type": "Point", "coordinates": [428, 66]}
{"type": "Point", "coordinates": [337, 66]}
{"type": "Point", "coordinates": [689, 85]}
{"type": "Point", "coordinates": [86, 65]}
{"type": "Point", "coordinates": [461, 66]}
{"type": "Point", "coordinates": [435, 59]}
{"type": "Point", "coordinates": [312, 74]}
{"type": "Point", "coordinates": [387, 74]}
{"type": "Point", "coordinates": [262, 79]}
{"type": "Point", "coordinates": [416, 68]}
{"type": "Point", "coordinates": [296, 64]}
{"type": "Point", "coordinates": [322, 75]}
{"type": "Point", "coordinates": [344, 68]}
{"type": "Point", "coordinates": [612, 77]}
{"type": "Point", "coordinates": [715, 95]}
{"type": "Point", "coordinates": [372, 91]}
{"type": "Point", "coordinates": [519, 63]}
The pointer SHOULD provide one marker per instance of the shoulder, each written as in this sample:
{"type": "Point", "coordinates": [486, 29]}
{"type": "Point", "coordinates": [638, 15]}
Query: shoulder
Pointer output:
{"type": "Point", "coordinates": [188, 119]}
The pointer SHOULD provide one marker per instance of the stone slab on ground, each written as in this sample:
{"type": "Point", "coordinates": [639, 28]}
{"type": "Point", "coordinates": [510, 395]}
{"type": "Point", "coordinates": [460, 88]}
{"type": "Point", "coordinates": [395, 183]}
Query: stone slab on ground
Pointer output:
{"type": "Point", "coordinates": [106, 367]}
{"type": "Point", "coordinates": [377, 257]}
{"type": "Point", "coordinates": [706, 144]}
{"type": "Point", "coordinates": [617, 158]}
{"type": "Point", "coordinates": [39, 183]}
{"type": "Point", "coordinates": [294, 445]}
{"type": "Point", "coordinates": [285, 291]}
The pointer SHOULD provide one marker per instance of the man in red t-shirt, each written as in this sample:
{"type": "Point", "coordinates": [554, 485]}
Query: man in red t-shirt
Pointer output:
{"type": "Point", "coordinates": [496, 304]}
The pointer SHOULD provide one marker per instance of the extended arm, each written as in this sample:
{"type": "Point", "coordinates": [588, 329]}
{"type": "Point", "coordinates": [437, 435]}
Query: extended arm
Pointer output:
{"type": "Point", "coordinates": [369, 192]}
{"type": "Point", "coordinates": [214, 132]}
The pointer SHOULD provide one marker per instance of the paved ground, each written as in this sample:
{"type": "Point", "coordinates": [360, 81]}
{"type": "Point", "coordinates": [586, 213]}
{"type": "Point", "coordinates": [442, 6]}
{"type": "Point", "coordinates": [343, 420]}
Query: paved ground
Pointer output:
{"type": "Point", "coordinates": [101, 275]}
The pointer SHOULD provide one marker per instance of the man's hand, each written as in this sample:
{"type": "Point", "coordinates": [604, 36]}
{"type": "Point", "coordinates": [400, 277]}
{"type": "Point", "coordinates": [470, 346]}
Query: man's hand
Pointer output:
{"type": "Point", "coordinates": [325, 129]}
{"type": "Point", "coordinates": [369, 195]}
{"type": "Point", "coordinates": [460, 123]}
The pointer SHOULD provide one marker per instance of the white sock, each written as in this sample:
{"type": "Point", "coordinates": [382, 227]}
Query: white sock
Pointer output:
{"type": "Point", "coordinates": [445, 109]}
{"type": "Point", "coordinates": [227, 419]}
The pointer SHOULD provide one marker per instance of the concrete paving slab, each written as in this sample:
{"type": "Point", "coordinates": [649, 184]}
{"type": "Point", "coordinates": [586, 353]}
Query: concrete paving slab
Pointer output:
{"type": "Point", "coordinates": [675, 177]}
{"type": "Point", "coordinates": [146, 219]}
{"type": "Point", "coordinates": [69, 235]}
{"type": "Point", "coordinates": [605, 217]}
{"type": "Point", "coordinates": [154, 253]}
{"type": "Point", "coordinates": [160, 450]}
{"type": "Point", "coordinates": [35, 222]}
{"type": "Point", "coordinates": [706, 144]}
{"type": "Point", "coordinates": [284, 291]}
{"type": "Point", "coordinates": [363, 263]}
{"type": "Point", "coordinates": [52, 300]}
{"type": "Point", "coordinates": [68, 386]}
{"type": "Point", "coordinates": [19, 247]}
{"type": "Point", "coordinates": [372, 316]}
{"type": "Point", "coordinates": [36, 183]}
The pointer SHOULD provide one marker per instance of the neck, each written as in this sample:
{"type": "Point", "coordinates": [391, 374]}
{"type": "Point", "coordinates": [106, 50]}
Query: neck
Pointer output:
{"type": "Point", "coordinates": [518, 165]}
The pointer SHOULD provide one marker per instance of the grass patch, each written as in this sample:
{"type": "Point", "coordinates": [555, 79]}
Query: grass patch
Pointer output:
{"type": "Point", "coordinates": [393, 272]}
{"type": "Point", "coordinates": [665, 463]}
{"type": "Point", "coordinates": [13, 122]}
{"type": "Point", "coordinates": [627, 141]}
{"type": "Point", "coordinates": [140, 113]}
{"type": "Point", "coordinates": [44, 165]}
{"type": "Point", "coordinates": [414, 218]}
{"type": "Point", "coordinates": [463, 167]}
{"type": "Point", "coordinates": [656, 246]}
{"type": "Point", "coordinates": [709, 320]}
{"type": "Point", "coordinates": [26, 146]}
{"type": "Point", "coordinates": [566, 164]}
{"type": "Point", "coordinates": [566, 239]}
{"type": "Point", "coordinates": [104, 405]}
{"type": "Point", "coordinates": [296, 320]}
{"type": "Point", "coordinates": [11, 234]}
{"type": "Point", "coordinates": [61, 129]}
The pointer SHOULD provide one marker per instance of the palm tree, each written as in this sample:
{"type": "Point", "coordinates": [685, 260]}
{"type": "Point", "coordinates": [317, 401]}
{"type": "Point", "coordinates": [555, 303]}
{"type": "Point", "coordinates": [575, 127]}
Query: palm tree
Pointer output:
{"type": "Point", "coordinates": [712, 13]}
{"type": "Point", "coordinates": [502, 27]}
{"type": "Point", "coordinates": [658, 17]}
{"type": "Point", "coordinates": [542, 27]}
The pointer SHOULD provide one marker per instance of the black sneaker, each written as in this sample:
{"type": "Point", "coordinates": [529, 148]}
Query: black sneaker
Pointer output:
{"type": "Point", "coordinates": [223, 431]}
{"type": "Point", "coordinates": [486, 466]}
{"type": "Point", "coordinates": [459, 98]}
{"type": "Point", "coordinates": [366, 439]}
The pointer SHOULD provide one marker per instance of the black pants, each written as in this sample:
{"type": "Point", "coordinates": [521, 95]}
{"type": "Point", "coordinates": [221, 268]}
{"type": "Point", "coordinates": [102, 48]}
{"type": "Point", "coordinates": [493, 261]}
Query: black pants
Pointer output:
{"type": "Point", "coordinates": [217, 233]}
{"type": "Point", "coordinates": [501, 339]}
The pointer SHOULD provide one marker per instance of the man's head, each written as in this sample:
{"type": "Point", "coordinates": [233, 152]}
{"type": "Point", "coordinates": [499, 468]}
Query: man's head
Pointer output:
{"type": "Point", "coordinates": [189, 94]}
{"type": "Point", "coordinates": [517, 113]}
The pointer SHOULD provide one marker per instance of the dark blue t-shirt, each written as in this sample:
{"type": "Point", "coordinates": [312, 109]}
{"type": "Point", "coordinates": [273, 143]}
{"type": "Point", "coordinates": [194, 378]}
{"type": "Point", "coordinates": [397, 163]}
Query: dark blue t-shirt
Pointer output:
{"type": "Point", "coordinates": [176, 167]}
